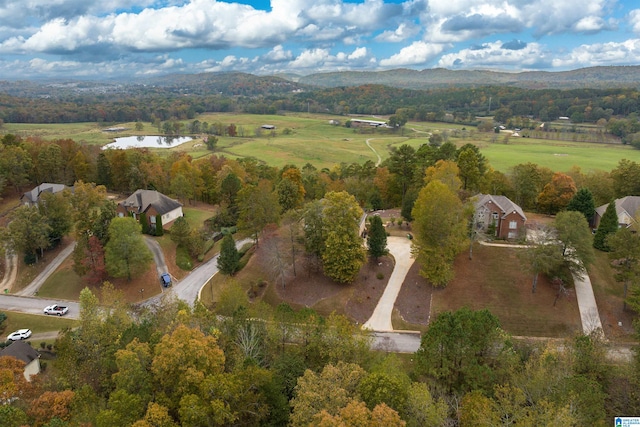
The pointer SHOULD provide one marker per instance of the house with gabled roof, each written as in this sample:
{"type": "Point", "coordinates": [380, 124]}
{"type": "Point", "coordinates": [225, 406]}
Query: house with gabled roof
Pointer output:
{"type": "Point", "coordinates": [626, 208]}
{"type": "Point", "coordinates": [150, 203]}
{"type": "Point", "coordinates": [499, 213]}
{"type": "Point", "coordinates": [32, 197]}
{"type": "Point", "coordinates": [24, 352]}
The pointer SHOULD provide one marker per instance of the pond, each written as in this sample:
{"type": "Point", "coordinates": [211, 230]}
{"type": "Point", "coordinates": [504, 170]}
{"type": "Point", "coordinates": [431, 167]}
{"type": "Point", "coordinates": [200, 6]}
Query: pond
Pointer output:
{"type": "Point", "coordinates": [148, 141]}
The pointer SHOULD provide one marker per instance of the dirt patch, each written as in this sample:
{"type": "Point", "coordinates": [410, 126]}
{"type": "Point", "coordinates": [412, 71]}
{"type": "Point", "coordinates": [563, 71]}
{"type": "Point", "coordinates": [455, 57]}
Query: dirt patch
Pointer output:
{"type": "Point", "coordinates": [368, 288]}
{"type": "Point", "coordinates": [414, 300]}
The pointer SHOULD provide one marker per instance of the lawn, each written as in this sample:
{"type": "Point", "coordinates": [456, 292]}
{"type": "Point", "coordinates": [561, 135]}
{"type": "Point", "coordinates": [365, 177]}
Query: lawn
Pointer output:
{"type": "Point", "coordinates": [496, 280]}
{"type": "Point", "coordinates": [36, 323]}
{"type": "Point", "coordinates": [311, 139]}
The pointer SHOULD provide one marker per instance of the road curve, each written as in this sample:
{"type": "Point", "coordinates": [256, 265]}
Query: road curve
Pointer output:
{"type": "Point", "coordinates": [188, 289]}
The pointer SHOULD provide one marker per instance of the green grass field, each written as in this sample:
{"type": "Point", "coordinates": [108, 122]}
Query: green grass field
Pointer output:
{"type": "Point", "coordinates": [36, 323]}
{"type": "Point", "coordinates": [312, 139]}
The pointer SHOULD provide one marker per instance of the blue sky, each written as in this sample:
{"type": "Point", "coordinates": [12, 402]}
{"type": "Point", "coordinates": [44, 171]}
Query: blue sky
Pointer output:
{"type": "Point", "coordinates": [136, 38]}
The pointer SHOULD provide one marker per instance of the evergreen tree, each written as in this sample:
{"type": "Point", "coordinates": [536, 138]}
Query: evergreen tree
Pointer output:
{"type": "Point", "coordinates": [229, 258]}
{"type": "Point", "coordinates": [144, 224]}
{"type": "Point", "coordinates": [608, 224]}
{"type": "Point", "coordinates": [159, 229]}
{"type": "Point", "coordinates": [377, 238]}
{"type": "Point", "coordinates": [584, 203]}
{"type": "Point", "coordinates": [180, 231]}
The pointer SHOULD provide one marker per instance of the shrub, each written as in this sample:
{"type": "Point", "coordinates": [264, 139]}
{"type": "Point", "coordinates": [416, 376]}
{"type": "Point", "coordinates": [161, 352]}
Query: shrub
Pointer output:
{"type": "Point", "coordinates": [380, 276]}
{"type": "Point", "coordinates": [183, 259]}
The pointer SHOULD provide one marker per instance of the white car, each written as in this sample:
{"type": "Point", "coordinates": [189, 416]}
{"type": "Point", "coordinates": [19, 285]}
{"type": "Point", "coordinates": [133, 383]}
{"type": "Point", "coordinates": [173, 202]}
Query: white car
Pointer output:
{"type": "Point", "coordinates": [56, 309]}
{"type": "Point", "coordinates": [20, 334]}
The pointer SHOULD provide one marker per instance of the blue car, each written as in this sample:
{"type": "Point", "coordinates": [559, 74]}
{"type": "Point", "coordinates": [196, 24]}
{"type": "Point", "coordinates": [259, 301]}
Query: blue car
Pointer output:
{"type": "Point", "coordinates": [165, 279]}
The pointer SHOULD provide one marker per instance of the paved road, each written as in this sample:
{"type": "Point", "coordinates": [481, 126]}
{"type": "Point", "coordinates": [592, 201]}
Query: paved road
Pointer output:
{"type": "Point", "coordinates": [400, 248]}
{"type": "Point", "coordinates": [31, 305]}
{"type": "Point", "coordinates": [396, 342]}
{"type": "Point", "coordinates": [188, 289]}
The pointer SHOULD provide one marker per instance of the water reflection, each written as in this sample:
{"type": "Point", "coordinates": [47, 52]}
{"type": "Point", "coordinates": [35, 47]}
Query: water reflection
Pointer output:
{"type": "Point", "coordinates": [148, 142]}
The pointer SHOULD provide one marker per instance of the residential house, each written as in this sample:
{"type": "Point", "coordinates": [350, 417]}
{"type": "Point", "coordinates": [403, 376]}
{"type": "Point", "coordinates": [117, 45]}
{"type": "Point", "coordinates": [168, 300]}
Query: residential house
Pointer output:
{"type": "Point", "coordinates": [31, 198]}
{"type": "Point", "coordinates": [500, 214]}
{"type": "Point", "coordinates": [151, 203]}
{"type": "Point", "coordinates": [626, 208]}
{"type": "Point", "coordinates": [23, 351]}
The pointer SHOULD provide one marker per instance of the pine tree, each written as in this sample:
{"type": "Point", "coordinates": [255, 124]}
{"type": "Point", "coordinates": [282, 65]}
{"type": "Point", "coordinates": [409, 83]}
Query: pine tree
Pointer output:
{"type": "Point", "coordinates": [608, 224]}
{"type": "Point", "coordinates": [229, 258]}
{"type": "Point", "coordinates": [377, 238]}
{"type": "Point", "coordinates": [144, 223]}
{"type": "Point", "coordinates": [159, 229]}
{"type": "Point", "coordinates": [583, 202]}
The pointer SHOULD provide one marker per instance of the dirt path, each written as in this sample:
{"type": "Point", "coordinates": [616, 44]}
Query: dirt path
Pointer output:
{"type": "Point", "coordinates": [10, 274]}
{"type": "Point", "coordinates": [368, 142]}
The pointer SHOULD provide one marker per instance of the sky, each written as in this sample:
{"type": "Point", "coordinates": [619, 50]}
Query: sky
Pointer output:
{"type": "Point", "coordinates": [125, 39]}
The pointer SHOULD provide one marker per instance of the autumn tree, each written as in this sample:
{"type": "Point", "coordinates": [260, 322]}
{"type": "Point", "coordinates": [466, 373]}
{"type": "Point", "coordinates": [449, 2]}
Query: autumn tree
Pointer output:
{"type": "Point", "coordinates": [543, 256]}
{"type": "Point", "coordinates": [376, 238]}
{"type": "Point", "coordinates": [126, 254]}
{"type": "Point", "coordinates": [608, 225]}
{"type": "Point", "coordinates": [257, 207]}
{"type": "Point", "coordinates": [330, 390]}
{"type": "Point", "coordinates": [290, 189]}
{"type": "Point", "coordinates": [343, 254]}
{"type": "Point", "coordinates": [575, 239]}
{"type": "Point", "coordinates": [57, 210]}
{"type": "Point", "coordinates": [28, 232]}
{"type": "Point", "coordinates": [557, 194]}
{"type": "Point", "coordinates": [439, 231]}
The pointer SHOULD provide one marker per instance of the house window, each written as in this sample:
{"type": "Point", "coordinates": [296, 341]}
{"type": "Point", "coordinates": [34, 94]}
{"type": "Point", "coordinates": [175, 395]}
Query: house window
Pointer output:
{"type": "Point", "coordinates": [495, 215]}
{"type": "Point", "coordinates": [120, 215]}
{"type": "Point", "coordinates": [511, 235]}
{"type": "Point", "coordinates": [152, 219]}
{"type": "Point", "coordinates": [513, 225]}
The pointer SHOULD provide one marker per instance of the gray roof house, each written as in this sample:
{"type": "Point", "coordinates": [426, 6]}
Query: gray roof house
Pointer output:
{"type": "Point", "coordinates": [31, 197]}
{"type": "Point", "coordinates": [151, 203]}
{"type": "Point", "coordinates": [23, 351]}
{"type": "Point", "coordinates": [508, 218]}
{"type": "Point", "coordinates": [626, 208]}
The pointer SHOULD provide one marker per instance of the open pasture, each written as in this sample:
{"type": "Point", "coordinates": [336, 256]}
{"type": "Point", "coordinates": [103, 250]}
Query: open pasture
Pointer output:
{"type": "Point", "coordinates": [310, 138]}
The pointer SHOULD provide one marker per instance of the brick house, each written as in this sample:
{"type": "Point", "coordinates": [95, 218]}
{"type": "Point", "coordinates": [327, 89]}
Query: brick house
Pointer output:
{"type": "Point", "coordinates": [150, 203]}
{"type": "Point", "coordinates": [498, 211]}
{"type": "Point", "coordinates": [626, 208]}
{"type": "Point", "coordinates": [24, 352]}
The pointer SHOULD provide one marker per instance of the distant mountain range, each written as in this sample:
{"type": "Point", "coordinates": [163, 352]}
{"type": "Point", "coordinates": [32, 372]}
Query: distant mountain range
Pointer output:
{"type": "Point", "coordinates": [593, 77]}
{"type": "Point", "coordinates": [243, 84]}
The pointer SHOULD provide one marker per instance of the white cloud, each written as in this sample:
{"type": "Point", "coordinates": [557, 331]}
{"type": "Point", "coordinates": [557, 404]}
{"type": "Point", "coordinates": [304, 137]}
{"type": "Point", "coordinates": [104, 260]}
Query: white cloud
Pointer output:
{"type": "Point", "coordinates": [310, 58]}
{"type": "Point", "coordinates": [495, 55]}
{"type": "Point", "coordinates": [613, 53]}
{"type": "Point", "coordinates": [634, 20]}
{"type": "Point", "coordinates": [416, 54]}
{"type": "Point", "coordinates": [403, 32]}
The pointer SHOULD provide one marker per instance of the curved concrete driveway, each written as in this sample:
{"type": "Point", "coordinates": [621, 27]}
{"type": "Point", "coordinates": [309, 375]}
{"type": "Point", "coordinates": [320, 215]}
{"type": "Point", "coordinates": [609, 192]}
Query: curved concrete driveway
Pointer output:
{"type": "Point", "coordinates": [400, 248]}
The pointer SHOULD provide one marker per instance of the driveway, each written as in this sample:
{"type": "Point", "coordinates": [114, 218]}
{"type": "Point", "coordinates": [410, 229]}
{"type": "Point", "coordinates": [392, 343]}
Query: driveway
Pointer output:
{"type": "Point", "coordinates": [188, 289]}
{"type": "Point", "coordinates": [32, 288]}
{"type": "Point", "coordinates": [400, 248]}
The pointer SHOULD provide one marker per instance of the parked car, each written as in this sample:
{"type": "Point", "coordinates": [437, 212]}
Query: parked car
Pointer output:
{"type": "Point", "coordinates": [56, 309]}
{"type": "Point", "coordinates": [165, 279]}
{"type": "Point", "coordinates": [20, 334]}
